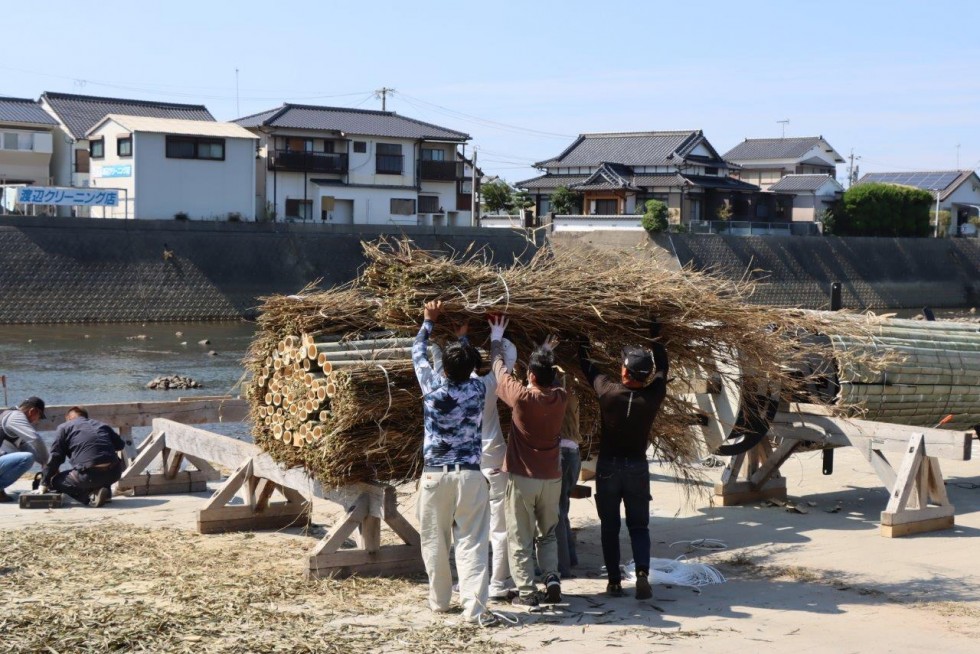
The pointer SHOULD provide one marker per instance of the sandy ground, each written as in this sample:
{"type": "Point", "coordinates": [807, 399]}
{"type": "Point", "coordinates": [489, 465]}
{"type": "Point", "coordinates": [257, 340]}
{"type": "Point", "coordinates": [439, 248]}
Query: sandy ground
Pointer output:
{"type": "Point", "coordinates": [815, 582]}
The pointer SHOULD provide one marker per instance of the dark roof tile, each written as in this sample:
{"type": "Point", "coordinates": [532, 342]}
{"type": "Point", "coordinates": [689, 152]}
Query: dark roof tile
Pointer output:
{"type": "Point", "coordinates": [24, 110]}
{"type": "Point", "coordinates": [80, 113]}
{"type": "Point", "coordinates": [628, 148]}
{"type": "Point", "coordinates": [800, 183]}
{"type": "Point", "coordinates": [764, 149]}
{"type": "Point", "coordinates": [350, 121]}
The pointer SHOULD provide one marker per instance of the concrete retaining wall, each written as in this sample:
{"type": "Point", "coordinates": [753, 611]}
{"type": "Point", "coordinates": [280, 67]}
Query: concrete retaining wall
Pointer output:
{"type": "Point", "coordinates": [91, 270]}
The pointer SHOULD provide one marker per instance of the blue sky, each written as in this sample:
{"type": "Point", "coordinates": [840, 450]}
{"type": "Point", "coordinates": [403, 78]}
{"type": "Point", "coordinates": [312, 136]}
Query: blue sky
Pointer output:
{"type": "Point", "coordinates": [896, 81]}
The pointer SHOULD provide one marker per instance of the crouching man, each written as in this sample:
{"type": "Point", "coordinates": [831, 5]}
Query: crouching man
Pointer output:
{"type": "Point", "coordinates": [93, 448]}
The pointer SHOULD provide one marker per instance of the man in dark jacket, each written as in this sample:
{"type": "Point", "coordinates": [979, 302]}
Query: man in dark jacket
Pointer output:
{"type": "Point", "coordinates": [628, 407]}
{"type": "Point", "coordinates": [93, 448]}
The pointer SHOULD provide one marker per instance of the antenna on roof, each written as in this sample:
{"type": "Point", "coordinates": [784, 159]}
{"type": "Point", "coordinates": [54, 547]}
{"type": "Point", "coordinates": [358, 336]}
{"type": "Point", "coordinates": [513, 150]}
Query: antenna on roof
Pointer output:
{"type": "Point", "coordinates": [383, 94]}
{"type": "Point", "coordinates": [238, 110]}
{"type": "Point", "coordinates": [784, 123]}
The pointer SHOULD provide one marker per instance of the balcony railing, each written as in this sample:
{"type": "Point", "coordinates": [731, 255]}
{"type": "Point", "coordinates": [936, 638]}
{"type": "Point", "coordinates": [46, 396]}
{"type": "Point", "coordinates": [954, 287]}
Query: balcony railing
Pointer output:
{"type": "Point", "coordinates": [308, 162]}
{"type": "Point", "coordinates": [441, 171]}
{"type": "Point", "coordinates": [754, 228]}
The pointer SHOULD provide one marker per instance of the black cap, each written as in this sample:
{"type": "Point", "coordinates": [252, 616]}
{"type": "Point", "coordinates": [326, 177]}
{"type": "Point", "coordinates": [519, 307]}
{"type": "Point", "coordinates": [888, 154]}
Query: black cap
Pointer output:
{"type": "Point", "coordinates": [638, 363]}
{"type": "Point", "coordinates": [34, 402]}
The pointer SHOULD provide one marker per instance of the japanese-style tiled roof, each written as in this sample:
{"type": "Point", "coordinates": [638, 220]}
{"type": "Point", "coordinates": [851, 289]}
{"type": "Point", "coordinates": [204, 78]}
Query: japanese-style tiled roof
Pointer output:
{"type": "Point", "coordinates": [784, 148]}
{"type": "Point", "coordinates": [943, 181]}
{"type": "Point", "coordinates": [350, 121]}
{"type": "Point", "coordinates": [628, 148]}
{"type": "Point", "coordinates": [550, 182]}
{"type": "Point", "coordinates": [608, 176]}
{"type": "Point", "coordinates": [802, 183]}
{"type": "Point", "coordinates": [79, 113]}
{"type": "Point", "coordinates": [24, 111]}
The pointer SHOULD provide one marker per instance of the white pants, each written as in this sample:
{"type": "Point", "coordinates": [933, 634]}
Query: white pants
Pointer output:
{"type": "Point", "coordinates": [453, 508]}
{"type": "Point", "coordinates": [500, 581]}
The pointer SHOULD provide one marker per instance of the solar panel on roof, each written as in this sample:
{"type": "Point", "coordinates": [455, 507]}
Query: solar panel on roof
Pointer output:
{"type": "Point", "coordinates": [929, 181]}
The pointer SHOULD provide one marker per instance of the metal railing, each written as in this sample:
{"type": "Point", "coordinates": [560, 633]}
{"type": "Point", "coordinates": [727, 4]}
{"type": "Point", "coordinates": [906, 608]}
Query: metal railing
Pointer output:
{"type": "Point", "coordinates": [753, 228]}
{"type": "Point", "coordinates": [309, 162]}
{"type": "Point", "coordinates": [446, 171]}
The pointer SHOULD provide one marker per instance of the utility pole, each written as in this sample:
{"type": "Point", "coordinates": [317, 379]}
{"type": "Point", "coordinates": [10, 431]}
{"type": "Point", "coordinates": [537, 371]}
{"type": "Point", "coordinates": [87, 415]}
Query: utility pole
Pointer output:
{"type": "Point", "coordinates": [851, 170]}
{"type": "Point", "coordinates": [473, 200]}
{"type": "Point", "coordinates": [383, 94]}
{"type": "Point", "coordinates": [783, 123]}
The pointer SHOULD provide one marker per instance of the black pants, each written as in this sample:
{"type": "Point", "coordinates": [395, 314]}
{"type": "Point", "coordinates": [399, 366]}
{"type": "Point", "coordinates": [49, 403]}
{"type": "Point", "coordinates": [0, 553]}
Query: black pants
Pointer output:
{"type": "Point", "coordinates": [78, 483]}
{"type": "Point", "coordinates": [623, 481]}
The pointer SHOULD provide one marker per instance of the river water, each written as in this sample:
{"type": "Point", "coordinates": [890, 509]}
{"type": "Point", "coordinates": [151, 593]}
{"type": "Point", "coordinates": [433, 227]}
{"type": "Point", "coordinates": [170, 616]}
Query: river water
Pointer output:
{"type": "Point", "coordinates": [90, 364]}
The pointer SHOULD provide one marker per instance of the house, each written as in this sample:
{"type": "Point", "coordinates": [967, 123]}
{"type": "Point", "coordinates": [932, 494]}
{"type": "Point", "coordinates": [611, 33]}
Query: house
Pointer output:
{"type": "Point", "coordinates": [25, 144]}
{"type": "Point", "coordinates": [77, 114]}
{"type": "Point", "coordinates": [956, 191]}
{"type": "Point", "coordinates": [765, 161]}
{"type": "Point", "coordinates": [166, 166]}
{"type": "Point", "coordinates": [344, 166]}
{"type": "Point", "coordinates": [812, 194]}
{"type": "Point", "coordinates": [617, 172]}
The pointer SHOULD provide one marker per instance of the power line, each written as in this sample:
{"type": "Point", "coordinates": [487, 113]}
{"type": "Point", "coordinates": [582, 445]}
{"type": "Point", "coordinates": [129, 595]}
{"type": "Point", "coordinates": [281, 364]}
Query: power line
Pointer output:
{"type": "Point", "coordinates": [484, 121]}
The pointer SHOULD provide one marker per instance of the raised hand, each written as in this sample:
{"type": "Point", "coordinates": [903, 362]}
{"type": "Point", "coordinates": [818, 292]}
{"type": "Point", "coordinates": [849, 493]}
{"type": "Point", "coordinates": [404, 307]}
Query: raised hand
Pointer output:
{"type": "Point", "coordinates": [433, 308]}
{"type": "Point", "coordinates": [498, 325]}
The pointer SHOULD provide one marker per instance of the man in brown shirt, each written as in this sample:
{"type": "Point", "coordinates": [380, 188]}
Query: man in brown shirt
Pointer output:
{"type": "Point", "coordinates": [532, 460]}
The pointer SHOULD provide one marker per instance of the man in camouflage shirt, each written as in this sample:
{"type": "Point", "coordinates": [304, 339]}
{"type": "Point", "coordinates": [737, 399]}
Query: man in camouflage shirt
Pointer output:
{"type": "Point", "coordinates": [453, 498]}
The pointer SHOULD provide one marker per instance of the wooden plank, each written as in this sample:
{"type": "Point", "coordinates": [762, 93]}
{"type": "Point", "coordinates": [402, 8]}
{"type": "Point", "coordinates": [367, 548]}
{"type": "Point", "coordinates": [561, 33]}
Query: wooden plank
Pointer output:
{"type": "Point", "coordinates": [882, 468]}
{"type": "Point", "coordinates": [392, 560]}
{"type": "Point", "coordinates": [164, 486]}
{"type": "Point", "coordinates": [920, 527]}
{"type": "Point", "coordinates": [230, 487]}
{"type": "Point", "coordinates": [403, 528]}
{"type": "Point", "coordinates": [905, 476]}
{"type": "Point", "coordinates": [918, 515]}
{"type": "Point", "coordinates": [260, 522]}
{"type": "Point", "coordinates": [369, 534]}
{"type": "Point", "coordinates": [340, 532]}
{"type": "Point", "coordinates": [229, 453]}
{"type": "Point", "coordinates": [242, 512]}
{"type": "Point", "coordinates": [743, 492]}
{"type": "Point", "coordinates": [152, 447]}
{"type": "Point", "coordinates": [141, 414]}
{"type": "Point", "coordinates": [770, 466]}
{"type": "Point", "coordinates": [203, 466]}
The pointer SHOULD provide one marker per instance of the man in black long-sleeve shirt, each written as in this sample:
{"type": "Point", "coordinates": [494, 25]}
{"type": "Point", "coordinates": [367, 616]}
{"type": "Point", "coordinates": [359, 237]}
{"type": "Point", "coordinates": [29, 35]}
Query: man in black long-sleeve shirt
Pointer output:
{"type": "Point", "coordinates": [628, 407]}
{"type": "Point", "coordinates": [93, 448]}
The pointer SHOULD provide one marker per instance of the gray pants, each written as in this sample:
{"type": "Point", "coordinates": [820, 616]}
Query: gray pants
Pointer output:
{"type": "Point", "coordinates": [532, 515]}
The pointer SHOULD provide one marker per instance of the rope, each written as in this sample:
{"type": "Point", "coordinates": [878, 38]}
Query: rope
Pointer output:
{"type": "Point", "coordinates": [480, 303]}
{"type": "Point", "coordinates": [710, 544]}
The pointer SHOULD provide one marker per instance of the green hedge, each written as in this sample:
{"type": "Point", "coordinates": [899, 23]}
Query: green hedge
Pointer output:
{"type": "Point", "coordinates": [883, 210]}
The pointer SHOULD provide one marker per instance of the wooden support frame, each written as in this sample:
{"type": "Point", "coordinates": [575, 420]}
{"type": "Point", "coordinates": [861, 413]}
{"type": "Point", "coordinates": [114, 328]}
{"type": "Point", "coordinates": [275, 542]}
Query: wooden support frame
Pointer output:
{"type": "Point", "coordinates": [918, 484]}
{"type": "Point", "coordinates": [139, 479]}
{"type": "Point", "coordinates": [256, 477]}
{"type": "Point", "coordinates": [370, 557]}
{"type": "Point", "coordinates": [918, 500]}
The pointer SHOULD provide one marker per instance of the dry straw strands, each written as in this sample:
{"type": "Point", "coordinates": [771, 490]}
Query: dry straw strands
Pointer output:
{"type": "Point", "coordinates": [374, 427]}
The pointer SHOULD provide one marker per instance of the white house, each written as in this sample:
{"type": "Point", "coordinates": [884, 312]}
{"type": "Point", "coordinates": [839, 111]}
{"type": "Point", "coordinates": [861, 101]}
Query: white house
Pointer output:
{"type": "Point", "coordinates": [956, 191]}
{"type": "Point", "coordinates": [25, 142]}
{"type": "Point", "coordinates": [75, 115]}
{"type": "Point", "coordinates": [812, 194]}
{"type": "Point", "coordinates": [765, 161]}
{"type": "Point", "coordinates": [344, 166]}
{"type": "Point", "coordinates": [167, 166]}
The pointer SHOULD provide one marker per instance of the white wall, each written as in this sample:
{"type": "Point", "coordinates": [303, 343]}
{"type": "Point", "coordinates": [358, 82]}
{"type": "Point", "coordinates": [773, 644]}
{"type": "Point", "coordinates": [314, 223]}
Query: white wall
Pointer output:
{"type": "Point", "coordinates": [161, 187]}
{"type": "Point", "coordinates": [372, 206]}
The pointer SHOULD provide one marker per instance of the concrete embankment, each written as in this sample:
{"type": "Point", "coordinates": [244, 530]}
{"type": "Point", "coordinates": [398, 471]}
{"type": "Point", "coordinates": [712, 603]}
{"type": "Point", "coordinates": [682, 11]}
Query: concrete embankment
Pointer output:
{"type": "Point", "coordinates": [89, 270]}
{"type": "Point", "coordinates": [58, 270]}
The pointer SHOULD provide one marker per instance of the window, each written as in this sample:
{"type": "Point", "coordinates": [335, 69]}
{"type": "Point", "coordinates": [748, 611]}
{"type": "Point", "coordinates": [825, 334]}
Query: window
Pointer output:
{"type": "Point", "coordinates": [389, 159]}
{"type": "Point", "coordinates": [711, 170]}
{"type": "Point", "coordinates": [299, 208]}
{"type": "Point", "coordinates": [430, 154]}
{"type": "Point", "coordinates": [81, 161]}
{"type": "Point", "coordinates": [190, 147]}
{"type": "Point", "coordinates": [360, 146]}
{"type": "Point", "coordinates": [96, 149]}
{"type": "Point", "coordinates": [9, 141]}
{"type": "Point", "coordinates": [402, 207]}
{"type": "Point", "coordinates": [124, 146]}
{"type": "Point", "coordinates": [429, 204]}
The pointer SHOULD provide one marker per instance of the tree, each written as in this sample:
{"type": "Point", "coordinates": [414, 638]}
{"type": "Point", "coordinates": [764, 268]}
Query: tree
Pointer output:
{"type": "Point", "coordinates": [883, 210]}
{"type": "Point", "coordinates": [497, 196]}
{"type": "Point", "coordinates": [523, 200]}
{"type": "Point", "coordinates": [655, 217]}
{"type": "Point", "coordinates": [564, 201]}
{"type": "Point", "coordinates": [724, 212]}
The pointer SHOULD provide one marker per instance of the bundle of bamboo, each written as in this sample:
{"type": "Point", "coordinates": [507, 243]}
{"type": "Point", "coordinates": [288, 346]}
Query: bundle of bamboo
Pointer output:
{"type": "Point", "coordinates": [933, 371]}
{"type": "Point", "coordinates": [321, 399]}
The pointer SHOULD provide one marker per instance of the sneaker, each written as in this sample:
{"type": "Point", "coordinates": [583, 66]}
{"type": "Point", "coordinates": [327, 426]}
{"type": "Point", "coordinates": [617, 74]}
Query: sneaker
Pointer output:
{"type": "Point", "coordinates": [526, 600]}
{"type": "Point", "coordinates": [614, 589]}
{"type": "Point", "coordinates": [643, 590]}
{"type": "Point", "coordinates": [4, 497]}
{"type": "Point", "coordinates": [99, 498]}
{"type": "Point", "coordinates": [488, 620]}
{"type": "Point", "coordinates": [553, 593]}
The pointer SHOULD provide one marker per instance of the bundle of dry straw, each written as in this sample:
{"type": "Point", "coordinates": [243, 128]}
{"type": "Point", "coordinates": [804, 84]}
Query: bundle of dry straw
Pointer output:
{"type": "Point", "coordinates": [369, 426]}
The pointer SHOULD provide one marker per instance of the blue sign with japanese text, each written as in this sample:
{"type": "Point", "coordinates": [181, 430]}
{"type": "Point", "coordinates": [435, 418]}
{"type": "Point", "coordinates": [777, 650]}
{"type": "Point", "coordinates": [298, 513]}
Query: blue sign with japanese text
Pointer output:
{"type": "Point", "coordinates": [122, 170]}
{"type": "Point", "coordinates": [73, 197]}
